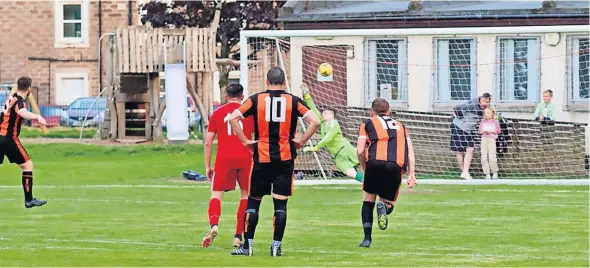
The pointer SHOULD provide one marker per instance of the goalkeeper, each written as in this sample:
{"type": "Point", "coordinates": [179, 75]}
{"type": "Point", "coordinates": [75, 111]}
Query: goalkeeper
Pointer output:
{"type": "Point", "coordinates": [343, 153]}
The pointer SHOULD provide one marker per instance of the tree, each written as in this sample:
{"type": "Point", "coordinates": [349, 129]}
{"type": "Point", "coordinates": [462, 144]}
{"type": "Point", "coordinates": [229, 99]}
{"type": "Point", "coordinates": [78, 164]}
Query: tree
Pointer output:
{"type": "Point", "coordinates": [235, 15]}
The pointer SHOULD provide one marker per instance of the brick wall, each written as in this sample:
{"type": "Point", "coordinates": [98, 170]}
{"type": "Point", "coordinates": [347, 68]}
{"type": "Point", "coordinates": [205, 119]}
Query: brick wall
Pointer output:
{"type": "Point", "coordinates": [27, 30]}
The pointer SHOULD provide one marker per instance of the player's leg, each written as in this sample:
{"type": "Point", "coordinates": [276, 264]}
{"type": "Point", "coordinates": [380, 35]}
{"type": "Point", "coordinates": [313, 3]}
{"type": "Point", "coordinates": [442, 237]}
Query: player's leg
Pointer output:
{"type": "Point", "coordinates": [346, 166]}
{"type": "Point", "coordinates": [214, 211]}
{"type": "Point", "coordinates": [224, 179]}
{"type": "Point", "coordinates": [260, 186]}
{"type": "Point", "coordinates": [244, 182]}
{"type": "Point", "coordinates": [281, 190]}
{"type": "Point", "coordinates": [469, 146]}
{"type": "Point", "coordinates": [370, 191]}
{"type": "Point", "coordinates": [17, 154]}
{"type": "Point", "coordinates": [367, 218]}
{"type": "Point", "coordinates": [390, 186]}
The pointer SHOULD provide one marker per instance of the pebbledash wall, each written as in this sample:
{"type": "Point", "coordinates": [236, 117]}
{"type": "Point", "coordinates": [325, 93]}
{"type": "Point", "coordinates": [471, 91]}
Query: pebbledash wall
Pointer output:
{"type": "Point", "coordinates": [420, 79]}
{"type": "Point", "coordinates": [32, 32]}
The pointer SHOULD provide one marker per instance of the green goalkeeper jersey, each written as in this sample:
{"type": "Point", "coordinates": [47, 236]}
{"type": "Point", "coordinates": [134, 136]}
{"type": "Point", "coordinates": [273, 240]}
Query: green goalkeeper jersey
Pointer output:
{"type": "Point", "coordinates": [331, 133]}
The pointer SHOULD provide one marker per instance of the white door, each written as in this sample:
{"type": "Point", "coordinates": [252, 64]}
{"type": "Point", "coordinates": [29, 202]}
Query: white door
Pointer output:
{"type": "Point", "coordinates": [71, 89]}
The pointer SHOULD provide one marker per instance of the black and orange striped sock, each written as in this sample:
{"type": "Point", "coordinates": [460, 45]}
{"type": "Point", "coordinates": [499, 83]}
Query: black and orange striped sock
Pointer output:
{"type": "Point", "coordinates": [27, 180]}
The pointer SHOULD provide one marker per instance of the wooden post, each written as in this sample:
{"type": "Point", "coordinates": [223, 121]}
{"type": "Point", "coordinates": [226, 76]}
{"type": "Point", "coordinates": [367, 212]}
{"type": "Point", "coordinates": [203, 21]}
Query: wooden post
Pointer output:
{"type": "Point", "coordinates": [114, 120]}
{"type": "Point", "coordinates": [120, 119]}
{"type": "Point", "coordinates": [198, 102]}
{"type": "Point", "coordinates": [207, 92]}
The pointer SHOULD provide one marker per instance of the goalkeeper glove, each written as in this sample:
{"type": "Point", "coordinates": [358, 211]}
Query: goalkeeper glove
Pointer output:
{"type": "Point", "coordinates": [310, 149]}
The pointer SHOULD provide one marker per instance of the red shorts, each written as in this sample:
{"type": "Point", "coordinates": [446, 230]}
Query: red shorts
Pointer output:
{"type": "Point", "coordinates": [226, 175]}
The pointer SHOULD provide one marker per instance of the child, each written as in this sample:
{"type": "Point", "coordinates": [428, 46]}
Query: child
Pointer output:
{"type": "Point", "coordinates": [489, 128]}
{"type": "Point", "coordinates": [545, 110]}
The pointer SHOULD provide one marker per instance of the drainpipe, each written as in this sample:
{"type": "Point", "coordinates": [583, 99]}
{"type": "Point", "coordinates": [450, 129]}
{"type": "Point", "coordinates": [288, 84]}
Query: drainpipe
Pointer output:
{"type": "Point", "coordinates": [130, 12]}
{"type": "Point", "coordinates": [99, 35]}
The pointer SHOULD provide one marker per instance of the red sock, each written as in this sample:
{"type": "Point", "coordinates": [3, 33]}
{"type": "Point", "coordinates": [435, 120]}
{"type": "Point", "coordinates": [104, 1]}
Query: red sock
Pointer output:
{"type": "Point", "coordinates": [240, 216]}
{"type": "Point", "coordinates": [214, 211]}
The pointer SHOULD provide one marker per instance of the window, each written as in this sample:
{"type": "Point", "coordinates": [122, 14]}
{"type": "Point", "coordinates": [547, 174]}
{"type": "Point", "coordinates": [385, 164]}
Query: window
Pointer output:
{"type": "Point", "coordinates": [455, 69]}
{"type": "Point", "coordinates": [71, 86]}
{"type": "Point", "coordinates": [578, 74]}
{"type": "Point", "coordinates": [518, 69]}
{"type": "Point", "coordinates": [71, 23]}
{"type": "Point", "coordinates": [385, 70]}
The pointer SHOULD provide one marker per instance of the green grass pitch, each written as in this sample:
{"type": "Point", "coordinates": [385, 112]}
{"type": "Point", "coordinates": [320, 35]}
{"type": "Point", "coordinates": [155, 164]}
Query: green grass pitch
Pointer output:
{"type": "Point", "coordinates": [127, 206]}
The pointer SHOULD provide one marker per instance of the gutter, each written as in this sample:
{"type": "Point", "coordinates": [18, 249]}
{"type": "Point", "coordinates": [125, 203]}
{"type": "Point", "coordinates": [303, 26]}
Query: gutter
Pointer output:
{"type": "Point", "coordinates": [310, 18]}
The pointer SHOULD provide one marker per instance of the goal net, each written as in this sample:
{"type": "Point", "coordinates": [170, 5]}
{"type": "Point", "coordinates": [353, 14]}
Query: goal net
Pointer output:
{"type": "Point", "coordinates": [425, 77]}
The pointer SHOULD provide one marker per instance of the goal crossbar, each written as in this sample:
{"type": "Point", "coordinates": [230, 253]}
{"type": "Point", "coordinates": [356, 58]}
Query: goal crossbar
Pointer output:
{"type": "Point", "coordinates": [244, 34]}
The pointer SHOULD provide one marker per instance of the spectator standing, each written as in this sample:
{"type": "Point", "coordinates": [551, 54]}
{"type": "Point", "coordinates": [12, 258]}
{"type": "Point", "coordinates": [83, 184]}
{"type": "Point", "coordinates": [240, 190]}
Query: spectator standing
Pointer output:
{"type": "Point", "coordinates": [545, 110]}
{"type": "Point", "coordinates": [489, 128]}
{"type": "Point", "coordinates": [463, 129]}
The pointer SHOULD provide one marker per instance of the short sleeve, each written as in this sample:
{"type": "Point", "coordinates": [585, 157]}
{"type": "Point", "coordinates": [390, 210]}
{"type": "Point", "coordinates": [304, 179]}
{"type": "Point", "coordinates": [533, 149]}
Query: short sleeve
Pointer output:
{"type": "Point", "coordinates": [20, 104]}
{"type": "Point", "coordinates": [302, 109]}
{"type": "Point", "coordinates": [247, 108]}
{"type": "Point", "coordinates": [212, 124]}
{"type": "Point", "coordinates": [362, 131]}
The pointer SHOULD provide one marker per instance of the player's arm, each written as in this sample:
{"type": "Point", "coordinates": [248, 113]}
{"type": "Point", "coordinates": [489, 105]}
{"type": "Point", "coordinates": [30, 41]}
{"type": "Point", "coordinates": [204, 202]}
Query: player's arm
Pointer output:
{"type": "Point", "coordinates": [332, 131]}
{"type": "Point", "coordinates": [310, 118]}
{"type": "Point", "coordinates": [309, 101]}
{"type": "Point", "coordinates": [361, 145]}
{"type": "Point", "coordinates": [209, 138]}
{"type": "Point", "coordinates": [411, 162]}
{"type": "Point", "coordinates": [24, 113]}
{"type": "Point", "coordinates": [245, 110]}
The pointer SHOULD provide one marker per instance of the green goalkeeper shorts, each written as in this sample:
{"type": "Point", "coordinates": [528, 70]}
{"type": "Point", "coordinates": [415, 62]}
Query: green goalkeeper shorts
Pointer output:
{"type": "Point", "coordinates": [346, 159]}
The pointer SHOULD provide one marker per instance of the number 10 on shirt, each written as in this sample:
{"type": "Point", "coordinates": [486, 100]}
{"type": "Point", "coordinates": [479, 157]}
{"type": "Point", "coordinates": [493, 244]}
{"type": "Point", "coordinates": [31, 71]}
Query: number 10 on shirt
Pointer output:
{"type": "Point", "coordinates": [276, 109]}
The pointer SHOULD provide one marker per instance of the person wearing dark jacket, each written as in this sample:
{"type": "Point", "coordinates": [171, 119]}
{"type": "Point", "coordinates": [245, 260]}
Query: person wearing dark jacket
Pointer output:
{"type": "Point", "coordinates": [463, 130]}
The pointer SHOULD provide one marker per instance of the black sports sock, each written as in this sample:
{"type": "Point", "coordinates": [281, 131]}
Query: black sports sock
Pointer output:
{"type": "Point", "coordinates": [27, 180]}
{"type": "Point", "coordinates": [280, 219]}
{"type": "Point", "coordinates": [251, 220]}
{"type": "Point", "coordinates": [367, 218]}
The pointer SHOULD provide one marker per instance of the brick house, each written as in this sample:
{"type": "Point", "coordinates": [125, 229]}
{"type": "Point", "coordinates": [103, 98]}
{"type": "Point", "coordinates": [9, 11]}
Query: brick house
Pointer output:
{"type": "Point", "coordinates": [362, 66]}
{"type": "Point", "coordinates": [56, 44]}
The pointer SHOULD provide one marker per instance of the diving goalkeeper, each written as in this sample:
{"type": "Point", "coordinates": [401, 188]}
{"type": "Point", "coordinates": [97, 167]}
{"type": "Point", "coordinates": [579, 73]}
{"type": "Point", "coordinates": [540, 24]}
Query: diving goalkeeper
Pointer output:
{"type": "Point", "coordinates": [343, 153]}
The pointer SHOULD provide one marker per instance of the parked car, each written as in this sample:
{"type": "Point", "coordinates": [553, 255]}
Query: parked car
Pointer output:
{"type": "Point", "coordinates": [4, 91]}
{"type": "Point", "coordinates": [51, 113]}
{"type": "Point", "coordinates": [194, 117]}
{"type": "Point", "coordinates": [73, 115]}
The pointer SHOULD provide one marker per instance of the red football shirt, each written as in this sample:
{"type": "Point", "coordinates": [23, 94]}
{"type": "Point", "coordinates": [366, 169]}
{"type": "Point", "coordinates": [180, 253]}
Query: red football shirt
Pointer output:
{"type": "Point", "coordinates": [229, 147]}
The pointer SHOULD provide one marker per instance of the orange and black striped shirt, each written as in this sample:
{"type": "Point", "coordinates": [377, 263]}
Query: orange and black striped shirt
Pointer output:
{"type": "Point", "coordinates": [10, 120]}
{"type": "Point", "coordinates": [387, 140]}
{"type": "Point", "coordinates": [275, 115]}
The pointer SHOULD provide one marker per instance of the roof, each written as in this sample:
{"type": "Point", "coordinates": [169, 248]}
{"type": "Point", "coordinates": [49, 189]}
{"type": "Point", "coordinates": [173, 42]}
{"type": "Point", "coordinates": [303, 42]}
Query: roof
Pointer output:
{"type": "Point", "coordinates": [300, 11]}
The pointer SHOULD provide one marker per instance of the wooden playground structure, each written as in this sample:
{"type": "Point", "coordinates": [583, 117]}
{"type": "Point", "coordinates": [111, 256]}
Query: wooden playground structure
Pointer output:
{"type": "Point", "coordinates": [136, 55]}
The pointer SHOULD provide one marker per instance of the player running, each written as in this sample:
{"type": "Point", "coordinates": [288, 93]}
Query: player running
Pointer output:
{"type": "Point", "coordinates": [390, 155]}
{"type": "Point", "coordinates": [342, 152]}
{"type": "Point", "coordinates": [275, 121]}
{"type": "Point", "coordinates": [233, 162]}
{"type": "Point", "coordinates": [12, 114]}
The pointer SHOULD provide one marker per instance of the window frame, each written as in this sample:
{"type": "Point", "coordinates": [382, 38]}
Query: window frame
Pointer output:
{"type": "Point", "coordinates": [59, 76]}
{"type": "Point", "coordinates": [573, 84]}
{"type": "Point", "coordinates": [497, 72]}
{"type": "Point", "coordinates": [370, 89]}
{"type": "Point", "coordinates": [64, 42]}
{"type": "Point", "coordinates": [436, 73]}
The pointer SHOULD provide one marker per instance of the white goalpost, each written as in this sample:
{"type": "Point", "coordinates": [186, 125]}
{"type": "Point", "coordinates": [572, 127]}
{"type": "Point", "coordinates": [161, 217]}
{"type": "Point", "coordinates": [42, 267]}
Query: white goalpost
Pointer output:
{"type": "Point", "coordinates": [424, 73]}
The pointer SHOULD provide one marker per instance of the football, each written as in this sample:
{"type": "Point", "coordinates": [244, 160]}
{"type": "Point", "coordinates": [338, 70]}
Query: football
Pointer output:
{"type": "Point", "coordinates": [325, 69]}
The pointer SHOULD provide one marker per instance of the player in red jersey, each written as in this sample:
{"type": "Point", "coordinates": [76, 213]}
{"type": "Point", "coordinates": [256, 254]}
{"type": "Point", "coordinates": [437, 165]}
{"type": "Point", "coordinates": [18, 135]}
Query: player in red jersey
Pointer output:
{"type": "Point", "coordinates": [232, 163]}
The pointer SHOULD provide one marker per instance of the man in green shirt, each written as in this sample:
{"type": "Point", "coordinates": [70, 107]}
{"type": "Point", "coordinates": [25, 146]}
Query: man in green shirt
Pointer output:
{"type": "Point", "coordinates": [343, 153]}
{"type": "Point", "coordinates": [545, 110]}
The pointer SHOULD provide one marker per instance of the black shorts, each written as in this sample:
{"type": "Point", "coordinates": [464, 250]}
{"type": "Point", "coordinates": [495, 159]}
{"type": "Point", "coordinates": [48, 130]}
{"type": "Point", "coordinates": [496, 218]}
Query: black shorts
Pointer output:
{"type": "Point", "coordinates": [276, 177]}
{"type": "Point", "coordinates": [13, 150]}
{"type": "Point", "coordinates": [460, 140]}
{"type": "Point", "coordinates": [383, 178]}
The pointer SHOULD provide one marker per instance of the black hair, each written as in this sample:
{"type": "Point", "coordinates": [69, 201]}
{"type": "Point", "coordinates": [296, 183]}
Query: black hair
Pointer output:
{"type": "Point", "coordinates": [234, 90]}
{"type": "Point", "coordinates": [24, 83]}
{"type": "Point", "coordinates": [275, 76]}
